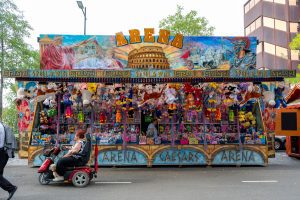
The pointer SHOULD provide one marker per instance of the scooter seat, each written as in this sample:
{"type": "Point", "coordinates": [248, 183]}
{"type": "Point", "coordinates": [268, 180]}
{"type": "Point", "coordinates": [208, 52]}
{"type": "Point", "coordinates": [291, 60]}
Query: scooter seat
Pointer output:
{"type": "Point", "coordinates": [77, 167]}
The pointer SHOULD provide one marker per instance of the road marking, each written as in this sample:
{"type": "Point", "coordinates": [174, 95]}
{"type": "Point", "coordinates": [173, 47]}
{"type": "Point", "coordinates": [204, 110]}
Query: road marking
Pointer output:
{"type": "Point", "coordinates": [113, 182]}
{"type": "Point", "coordinates": [266, 181]}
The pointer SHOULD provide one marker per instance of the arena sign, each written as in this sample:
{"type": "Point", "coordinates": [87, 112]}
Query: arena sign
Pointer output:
{"type": "Point", "coordinates": [163, 37]}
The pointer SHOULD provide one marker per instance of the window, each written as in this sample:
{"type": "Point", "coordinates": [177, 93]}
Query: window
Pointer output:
{"type": "Point", "coordinates": [295, 54]}
{"type": "Point", "coordinates": [281, 52]}
{"type": "Point", "coordinates": [269, 0]}
{"type": "Point", "coordinates": [252, 27]}
{"type": "Point", "coordinates": [269, 48]}
{"type": "Point", "coordinates": [293, 27]}
{"type": "Point", "coordinates": [246, 8]}
{"type": "Point", "coordinates": [256, 1]}
{"type": "Point", "coordinates": [293, 2]}
{"type": "Point", "coordinates": [258, 22]}
{"type": "Point", "coordinates": [247, 30]}
{"type": "Point", "coordinates": [280, 25]}
{"type": "Point", "coordinates": [259, 47]}
{"type": "Point", "coordinates": [268, 22]}
{"type": "Point", "coordinates": [279, 1]}
{"type": "Point", "coordinates": [251, 4]}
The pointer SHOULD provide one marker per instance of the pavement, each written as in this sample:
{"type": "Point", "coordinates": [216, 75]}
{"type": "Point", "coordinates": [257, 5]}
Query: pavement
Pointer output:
{"type": "Point", "coordinates": [278, 181]}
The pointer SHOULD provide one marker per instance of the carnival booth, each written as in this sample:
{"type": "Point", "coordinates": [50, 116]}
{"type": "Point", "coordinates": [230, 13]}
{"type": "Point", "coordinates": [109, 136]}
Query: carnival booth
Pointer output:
{"type": "Point", "coordinates": [151, 100]}
{"type": "Point", "coordinates": [288, 122]}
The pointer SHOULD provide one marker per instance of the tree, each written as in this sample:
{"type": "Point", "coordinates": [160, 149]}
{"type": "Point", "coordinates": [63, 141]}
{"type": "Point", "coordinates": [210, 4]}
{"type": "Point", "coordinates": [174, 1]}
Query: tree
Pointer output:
{"type": "Point", "coordinates": [189, 24]}
{"type": "Point", "coordinates": [14, 52]}
{"type": "Point", "coordinates": [295, 45]}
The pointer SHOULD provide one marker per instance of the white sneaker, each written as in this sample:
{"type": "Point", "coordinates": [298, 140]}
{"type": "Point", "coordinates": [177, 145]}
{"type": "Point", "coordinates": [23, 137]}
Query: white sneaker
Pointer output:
{"type": "Point", "coordinates": [58, 178]}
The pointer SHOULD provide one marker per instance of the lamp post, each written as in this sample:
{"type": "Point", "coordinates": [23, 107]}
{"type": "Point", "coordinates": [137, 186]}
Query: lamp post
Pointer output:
{"type": "Point", "coordinates": [80, 5]}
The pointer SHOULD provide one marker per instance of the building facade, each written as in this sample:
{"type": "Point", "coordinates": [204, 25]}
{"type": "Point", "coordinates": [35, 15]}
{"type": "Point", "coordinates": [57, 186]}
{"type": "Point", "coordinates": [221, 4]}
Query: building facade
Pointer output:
{"type": "Point", "coordinates": [275, 23]}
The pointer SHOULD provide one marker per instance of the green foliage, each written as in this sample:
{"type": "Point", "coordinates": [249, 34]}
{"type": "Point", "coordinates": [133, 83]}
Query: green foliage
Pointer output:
{"type": "Point", "coordinates": [295, 44]}
{"type": "Point", "coordinates": [189, 25]}
{"type": "Point", "coordinates": [10, 117]}
{"type": "Point", "coordinates": [15, 53]}
{"type": "Point", "coordinates": [13, 30]}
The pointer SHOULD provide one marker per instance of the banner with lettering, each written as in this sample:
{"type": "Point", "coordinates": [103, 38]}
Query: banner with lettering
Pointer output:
{"type": "Point", "coordinates": [161, 52]}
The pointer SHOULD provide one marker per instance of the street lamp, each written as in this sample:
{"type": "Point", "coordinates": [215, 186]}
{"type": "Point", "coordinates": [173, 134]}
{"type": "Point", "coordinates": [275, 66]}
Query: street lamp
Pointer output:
{"type": "Point", "coordinates": [80, 5]}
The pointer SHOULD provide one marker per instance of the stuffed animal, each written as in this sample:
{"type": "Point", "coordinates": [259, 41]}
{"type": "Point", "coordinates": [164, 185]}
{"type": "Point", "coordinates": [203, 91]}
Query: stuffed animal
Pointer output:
{"type": "Point", "coordinates": [252, 93]}
{"type": "Point", "coordinates": [86, 97]}
{"type": "Point", "coordinates": [21, 93]}
{"type": "Point", "coordinates": [118, 116]}
{"type": "Point", "coordinates": [43, 117]}
{"type": "Point", "coordinates": [80, 117]}
{"type": "Point", "coordinates": [68, 112]}
{"type": "Point", "coordinates": [170, 98]}
{"type": "Point", "coordinates": [102, 118]}
{"type": "Point", "coordinates": [92, 87]}
{"type": "Point", "coordinates": [279, 99]}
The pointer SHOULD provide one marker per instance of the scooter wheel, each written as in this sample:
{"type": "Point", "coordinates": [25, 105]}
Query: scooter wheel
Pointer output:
{"type": "Point", "coordinates": [80, 179]}
{"type": "Point", "coordinates": [43, 180]}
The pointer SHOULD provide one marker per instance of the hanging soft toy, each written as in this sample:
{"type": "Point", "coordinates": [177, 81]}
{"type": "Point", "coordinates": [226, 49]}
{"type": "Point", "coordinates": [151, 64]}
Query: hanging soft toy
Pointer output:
{"type": "Point", "coordinates": [170, 98]}
{"type": "Point", "coordinates": [252, 93]}
{"type": "Point", "coordinates": [198, 98]}
{"type": "Point", "coordinates": [279, 99]}
{"type": "Point", "coordinates": [102, 118]}
{"type": "Point", "coordinates": [43, 117]}
{"type": "Point", "coordinates": [86, 97]}
{"type": "Point", "coordinates": [80, 117]}
{"type": "Point", "coordinates": [118, 116]}
{"type": "Point", "coordinates": [231, 116]}
{"type": "Point", "coordinates": [92, 87]}
{"type": "Point", "coordinates": [69, 112]}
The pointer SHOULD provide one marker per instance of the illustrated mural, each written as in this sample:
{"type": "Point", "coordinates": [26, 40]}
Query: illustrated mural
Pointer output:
{"type": "Point", "coordinates": [102, 52]}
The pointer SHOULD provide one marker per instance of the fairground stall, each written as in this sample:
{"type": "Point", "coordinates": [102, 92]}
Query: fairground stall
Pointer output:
{"type": "Point", "coordinates": [148, 100]}
{"type": "Point", "coordinates": [288, 122]}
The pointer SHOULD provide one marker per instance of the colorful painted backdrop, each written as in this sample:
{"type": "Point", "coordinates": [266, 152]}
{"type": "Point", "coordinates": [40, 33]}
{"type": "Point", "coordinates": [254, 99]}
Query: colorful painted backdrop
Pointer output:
{"type": "Point", "coordinates": [101, 52]}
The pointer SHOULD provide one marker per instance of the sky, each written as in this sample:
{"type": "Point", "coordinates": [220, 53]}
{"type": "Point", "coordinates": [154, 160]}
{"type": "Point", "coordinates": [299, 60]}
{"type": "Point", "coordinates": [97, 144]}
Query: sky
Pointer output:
{"type": "Point", "coordinates": [107, 17]}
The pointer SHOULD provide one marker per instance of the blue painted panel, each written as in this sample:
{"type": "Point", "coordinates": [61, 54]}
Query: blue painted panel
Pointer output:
{"type": "Point", "coordinates": [179, 157]}
{"type": "Point", "coordinates": [122, 157]}
{"type": "Point", "coordinates": [39, 159]}
{"type": "Point", "coordinates": [234, 157]}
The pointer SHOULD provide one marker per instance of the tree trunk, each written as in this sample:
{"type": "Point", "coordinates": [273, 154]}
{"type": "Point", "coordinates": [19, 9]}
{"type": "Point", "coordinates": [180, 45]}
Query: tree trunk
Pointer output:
{"type": "Point", "coordinates": [1, 78]}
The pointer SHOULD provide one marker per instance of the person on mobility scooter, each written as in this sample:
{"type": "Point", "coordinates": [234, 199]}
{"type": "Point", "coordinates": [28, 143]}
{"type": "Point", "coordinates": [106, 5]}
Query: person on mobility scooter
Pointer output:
{"type": "Point", "coordinates": [71, 167]}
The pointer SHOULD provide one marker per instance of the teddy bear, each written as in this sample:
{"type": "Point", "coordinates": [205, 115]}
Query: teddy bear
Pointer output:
{"type": "Point", "coordinates": [43, 117]}
{"type": "Point", "coordinates": [21, 93]}
{"type": "Point", "coordinates": [170, 98]}
{"type": "Point", "coordinates": [86, 97]}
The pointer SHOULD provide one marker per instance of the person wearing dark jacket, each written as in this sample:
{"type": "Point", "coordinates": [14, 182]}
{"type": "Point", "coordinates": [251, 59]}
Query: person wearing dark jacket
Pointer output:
{"type": "Point", "coordinates": [7, 146]}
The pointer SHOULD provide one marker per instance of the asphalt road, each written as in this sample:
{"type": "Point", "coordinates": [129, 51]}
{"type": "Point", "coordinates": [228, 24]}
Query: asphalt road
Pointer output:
{"type": "Point", "coordinates": [280, 181]}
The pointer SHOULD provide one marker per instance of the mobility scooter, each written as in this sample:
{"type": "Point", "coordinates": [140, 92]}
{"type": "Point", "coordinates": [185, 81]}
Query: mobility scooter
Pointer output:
{"type": "Point", "coordinates": [79, 175]}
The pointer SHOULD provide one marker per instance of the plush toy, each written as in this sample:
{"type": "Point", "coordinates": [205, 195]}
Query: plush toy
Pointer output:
{"type": "Point", "coordinates": [198, 97]}
{"type": "Point", "coordinates": [21, 93]}
{"type": "Point", "coordinates": [149, 94]}
{"type": "Point", "coordinates": [92, 87]}
{"type": "Point", "coordinates": [80, 117]}
{"type": "Point", "coordinates": [68, 112]}
{"type": "Point", "coordinates": [170, 98]}
{"type": "Point", "coordinates": [242, 117]}
{"type": "Point", "coordinates": [52, 112]}
{"type": "Point", "coordinates": [279, 99]}
{"type": "Point", "coordinates": [118, 116]}
{"type": "Point", "coordinates": [86, 97]}
{"type": "Point", "coordinates": [252, 93]}
{"type": "Point", "coordinates": [231, 115]}
{"type": "Point", "coordinates": [102, 118]}
{"type": "Point", "coordinates": [66, 99]}
{"type": "Point", "coordinates": [50, 102]}
{"type": "Point", "coordinates": [43, 117]}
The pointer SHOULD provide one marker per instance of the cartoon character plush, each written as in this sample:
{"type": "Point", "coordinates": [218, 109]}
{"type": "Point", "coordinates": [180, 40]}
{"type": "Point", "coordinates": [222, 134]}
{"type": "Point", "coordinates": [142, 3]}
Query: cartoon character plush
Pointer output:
{"type": "Point", "coordinates": [86, 97]}
{"type": "Point", "coordinates": [252, 93]}
{"type": "Point", "coordinates": [118, 116]}
{"type": "Point", "coordinates": [50, 102]}
{"type": "Point", "coordinates": [279, 99]}
{"type": "Point", "coordinates": [170, 98]}
{"type": "Point", "coordinates": [21, 93]}
{"type": "Point", "coordinates": [43, 117]}
{"type": "Point", "coordinates": [92, 87]}
{"type": "Point", "coordinates": [149, 94]}
{"type": "Point", "coordinates": [80, 117]}
{"type": "Point", "coordinates": [102, 118]}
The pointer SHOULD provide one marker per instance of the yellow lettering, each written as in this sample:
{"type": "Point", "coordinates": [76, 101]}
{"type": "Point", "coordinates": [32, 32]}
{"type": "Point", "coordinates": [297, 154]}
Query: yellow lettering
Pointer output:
{"type": "Point", "coordinates": [163, 37]}
{"type": "Point", "coordinates": [148, 35]}
{"type": "Point", "coordinates": [178, 41]}
{"type": "Point", "coordinates": [135, 36]}
{"type": "Point", "coordinates": [120, 39]}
